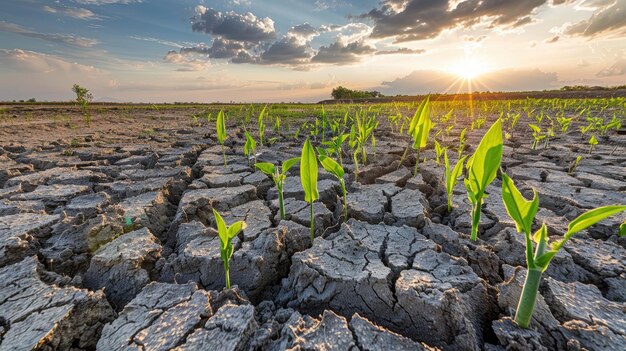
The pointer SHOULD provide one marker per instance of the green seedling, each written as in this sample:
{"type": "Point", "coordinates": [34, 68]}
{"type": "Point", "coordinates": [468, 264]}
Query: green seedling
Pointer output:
{"type": "Point", "coordinates": [278, 178]}
{"type": "Point", "coordinates": [536, 135]}
{"type": "Point", "coordinates": [439, 151]}
{"type": "Point", "coordinates": [462, 140]}
{"type": "Point", "coordinates": [482, 168]}
{"type": "Point", "coordinates": [419, 126]}
{"type": "Point", "coordinates": [226, 235]}
{"type": "Point", "coordinates": [220, 126]}
{"type": "Point", "coordinates": [249, 148]}
{"type": "Point", "coordinates": [564, 123]}
{"type": "Point", "coordinates": [308, 178]}
{"type": "Point", "coordinates": [335, 146]}
{"type": "Point", "coordinates": [523, 212]}
{"type": "Point", "coordinates": [332, 167]}
{"type": "Point", "coordinates": [261, 125]}
{"type": "Point", "coordinates": [575, 165]}
{"type": "Point", "coordinates": [452, 177]}
{"type": "Point", "coordinates": [592, 142]}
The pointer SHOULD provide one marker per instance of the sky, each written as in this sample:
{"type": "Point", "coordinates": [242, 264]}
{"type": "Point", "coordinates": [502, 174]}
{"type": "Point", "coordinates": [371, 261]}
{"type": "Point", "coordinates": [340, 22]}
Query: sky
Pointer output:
{"type": "Point", "coordinates": [284, 51]}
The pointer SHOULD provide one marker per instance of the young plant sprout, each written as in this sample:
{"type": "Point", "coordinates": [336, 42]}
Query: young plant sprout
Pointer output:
{"type": "Point", "coordinates": [221, 132]}
{"type": "Point", "coordinates": [482, 168]}
{"type": "Point", "coordinates": [462, 140]}
{"type": "Point", "coordinates": [226, 234]}
{"type": "Point", "coordinates": [249, 148]}
{"type": "Point", "coordinates": [332, 167]}
{"type": "Point", "coordinates": [439, 150]}
{"type": "Point", "coordinates": [592, 142]}
{"type": "Point", "coordinates": [308, 178]}
{"type": "Point", "coordinates": [574, 165]}
{"type": "Point", "coordinates": [419, 119]}
{"type": "Point", "coordinates": [537, 136]}
{"type": "Point", "coordinates": [278, 178]}
{"type": "Point", "coordinates": [452, 177]}
{"type": "Point", "coordinates": [261, 125]}
{"type": "Point", "coordinates": [335, 146]}
{"type": "Point", "coordinates": [523, 212]}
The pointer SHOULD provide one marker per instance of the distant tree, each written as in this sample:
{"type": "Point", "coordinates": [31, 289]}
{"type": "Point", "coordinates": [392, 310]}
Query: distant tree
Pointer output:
{"type": "Point", "coordinates": [32, 100]}
{"type": "Point", "coordinates": [83, 98]}
{"type": "Point", "coordinates": [345, 93]}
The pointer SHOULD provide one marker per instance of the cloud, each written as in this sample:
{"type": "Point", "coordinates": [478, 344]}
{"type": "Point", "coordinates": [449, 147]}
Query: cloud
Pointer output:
{"type": "Point", "coordinates": [403, 51]}
{"type": "Point", "coordinates": [609, 17]}
{"type": "Point", "coordinates": [409, 20]}
{"type": "Point", "coordinates": [618, 67]}
{"type": "Point", "coordinates": [188, 63]}
{"type": "Point", "coordinates": [289, 51]}
{"type": "Point", "coordinates": [156, 40]}
{"type": "Point", "coordinates": [74, 12]}
{"type": "Point", "coordinates": [303, 33]}
{"type": "Point", "coordinates": [106, 2]}
{"type": "Point", "coordinates": [552, 39]}
{"type": "Point", "coordinates": [233, 26]}
{"type": "Point", "coordinates": [341, 53]}
{"type": "Point", "coordinates": [474, 39]}
{"type": "Point", "coordinates": [425, 81]}
{"type": "Point", "coordinates": [68, 39]}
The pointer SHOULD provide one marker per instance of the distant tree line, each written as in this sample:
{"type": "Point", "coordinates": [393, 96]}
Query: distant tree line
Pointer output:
{"type": "Point", "coordinates": [587, 87]}
{"type": "Point", "coordinates": [345, 93]}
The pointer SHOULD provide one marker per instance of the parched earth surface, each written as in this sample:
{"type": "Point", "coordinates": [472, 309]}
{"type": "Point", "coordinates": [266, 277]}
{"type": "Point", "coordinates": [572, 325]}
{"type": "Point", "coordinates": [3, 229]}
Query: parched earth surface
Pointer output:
{"type": "Point", "coordinates": [107, 242]}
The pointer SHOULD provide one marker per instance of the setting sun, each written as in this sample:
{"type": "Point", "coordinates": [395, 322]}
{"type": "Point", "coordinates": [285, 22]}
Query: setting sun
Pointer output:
{"type": "Point", "coordinates": [470, 67]}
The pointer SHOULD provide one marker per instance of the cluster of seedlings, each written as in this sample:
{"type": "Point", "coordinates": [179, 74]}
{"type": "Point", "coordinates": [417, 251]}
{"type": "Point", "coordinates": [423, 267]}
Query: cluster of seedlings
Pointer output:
{"type": "Point", "coordinates": [481, 168]}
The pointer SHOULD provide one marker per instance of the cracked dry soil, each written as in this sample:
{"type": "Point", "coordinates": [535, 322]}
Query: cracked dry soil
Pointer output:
{"type": "Point", "coordinates": [107, 243]}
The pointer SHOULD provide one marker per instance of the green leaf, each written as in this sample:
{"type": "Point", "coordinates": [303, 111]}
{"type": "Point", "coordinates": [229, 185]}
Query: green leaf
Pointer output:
{"type": "Point", "coordinates": [417, 116]}
{"type": "Point", "coordinates": [484, 163]}
{"type": "Point", "coordinates": [534, 127]}
{"type": "Point", "coordinates": [331, 166]}
{"type": "Point", "coordinates": [266, 168]}
{"type": "Point", "coordinates": [290, 163]}
{"type": "Point", "coordinates": [522, 211]}
{"type": "Point", "coordinates": [222, 230]}
{"type": "Point", "coordinates": [308, 172]}
{"type": "Point", "coordinates": [456, 173]}
{"type": "Point", "coordinates": [593, 140]}
{"type": "Point", "coordinates": [250, 145]}
{"type": "Point", "coordinates": [592, 217]}
{"type": "Point", "coordinates": [235, 228]}
{"type": "Point", "coordinates": [221, 127]}
{"type": "Point", "coordinates": [622, 229]}
{"type": "Point", "coordinates": [544, 260]}
{"type": "Point", "coordinates": [321, 151]}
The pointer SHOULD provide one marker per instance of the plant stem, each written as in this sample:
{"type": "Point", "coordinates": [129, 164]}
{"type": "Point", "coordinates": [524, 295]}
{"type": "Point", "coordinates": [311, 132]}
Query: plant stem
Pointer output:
{"type": "Point", "coordinates": [312, 224]}
{"type": "Point", "coordinates": [476, 218]}
{"type": "Point", "coordinates": [449, 203]}
{"type": "Point", "coordinates": [227, 273]}
{"type": "Point", "coordinates": [406, 151]}
{"type": "Point", "coordinates": [417, 162]}
{"type": "Point", "coordinates": [281, 204]}
{"type": "Point", "coordinates": [526, 305]}
{"type": "Point", "coordinates": [345, 201]}
{"type": "Point", "coordinates": [356, 168]}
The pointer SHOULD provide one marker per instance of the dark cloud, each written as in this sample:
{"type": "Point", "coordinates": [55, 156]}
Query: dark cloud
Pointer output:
{"type": "Point", "coordinates": [343, 54]}
{"type": "Point", "coordinates": [425, 81]}
{"type": "Point", "coordinates": [233, 26]}
{"type": "Point", "coordinates": [608, 17]}
{"type": "Point", "coordinates": [289, 51]}
{"type": "Point", "coordinates": [219, 49]}
{"type": "Point", "coordinates": [403, 51]}
{"type": "Point", "coordinates": [408, 20]}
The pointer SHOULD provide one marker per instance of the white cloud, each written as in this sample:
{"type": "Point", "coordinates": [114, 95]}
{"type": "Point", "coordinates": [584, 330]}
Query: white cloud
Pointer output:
{"type": "Point", "coordinates": [69, 39]}
{"type": "Point", "coordinates": [74, 12]}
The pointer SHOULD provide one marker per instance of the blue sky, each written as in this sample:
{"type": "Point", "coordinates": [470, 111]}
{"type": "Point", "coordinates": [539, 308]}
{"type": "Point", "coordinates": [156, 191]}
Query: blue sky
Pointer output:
{"type": "Point", "coordinates": [253, 50]}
